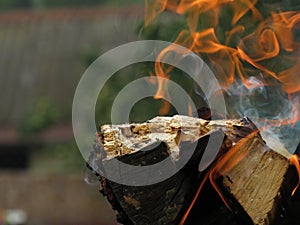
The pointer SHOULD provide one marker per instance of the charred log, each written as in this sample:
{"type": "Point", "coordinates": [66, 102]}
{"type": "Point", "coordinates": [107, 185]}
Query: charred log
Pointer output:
{"type": "Point", "coordinates": [255, 181]}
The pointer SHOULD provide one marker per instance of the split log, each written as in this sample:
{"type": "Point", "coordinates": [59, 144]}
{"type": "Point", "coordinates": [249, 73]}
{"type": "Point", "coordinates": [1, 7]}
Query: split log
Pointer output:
{"type": "Point", "coordinates": [259, 179]}
{"type": "Point", "coordinates": [166, 202]}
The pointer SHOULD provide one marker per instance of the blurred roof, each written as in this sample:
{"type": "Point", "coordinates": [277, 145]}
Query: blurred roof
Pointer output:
{"type": "Point", "coordinates": [45, 53]}
{"type": "Point", "coordinates": [68, 13]}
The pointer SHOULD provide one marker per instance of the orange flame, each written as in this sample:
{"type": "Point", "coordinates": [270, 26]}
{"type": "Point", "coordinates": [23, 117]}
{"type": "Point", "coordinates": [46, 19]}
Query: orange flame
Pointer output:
{"type": "Point", "coordinates": [241, 7]}
{"type": "Point", "coordinates": [153, 8]}
{"type": "Point", "coordinates": [252, 41]}
{"type": "Point", "coordinates": [227, 162]}
{"type": "Point", "coordinates": [183, 219]}
{"type": "Point", "coordinates": [249, 41]}
{"type": "Point", "coordinates": [295, 160]}
{"type": "Point", "coordinates": [156, 7]}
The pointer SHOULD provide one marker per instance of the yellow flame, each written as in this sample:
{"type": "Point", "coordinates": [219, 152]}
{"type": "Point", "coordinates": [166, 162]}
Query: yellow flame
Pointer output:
{"type": "Point", "coordinates": [226, 163]}
{"type": "Point", "coordinates": [295, 160]}
{"type": "Point", "coordinates": [273, 37]}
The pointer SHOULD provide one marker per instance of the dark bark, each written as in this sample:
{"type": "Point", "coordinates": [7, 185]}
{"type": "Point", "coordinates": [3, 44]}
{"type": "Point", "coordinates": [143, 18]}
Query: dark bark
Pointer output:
{"type": "Point", "coordinates": [267, 172]}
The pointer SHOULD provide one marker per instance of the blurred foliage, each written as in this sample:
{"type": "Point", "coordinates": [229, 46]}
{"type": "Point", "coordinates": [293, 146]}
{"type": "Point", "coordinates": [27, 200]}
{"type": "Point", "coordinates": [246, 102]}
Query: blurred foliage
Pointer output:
{"type": "Point", "coordinates": [89, 56]}
{"type": "Point", "coordinates": [57, 158]}
{"type": "Point", "coordinates": [42, 114]}
{"type": "Point", "coordinates": [144, 109]}
{"type": "Point", "coordinates": [124, 2]}
{"type": "Point", "coordinates": [166, 28]}
{"type": "Point", "coordinates": [115, 84]}
{"type": "Point", "coordinates": [9, 4]}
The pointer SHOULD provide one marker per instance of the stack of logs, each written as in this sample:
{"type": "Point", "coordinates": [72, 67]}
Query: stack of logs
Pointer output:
{"type": "Point", "coordinates": [246, 183]}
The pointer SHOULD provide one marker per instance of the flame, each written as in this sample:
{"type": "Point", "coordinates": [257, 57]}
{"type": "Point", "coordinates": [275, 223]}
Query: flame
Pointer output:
{"type": "Point", "coordinates": [153, 8]}
{"type": "Point", "coordinates": [241, 7]}
{"type": "Point", "coordinates": [295, 160]}
{"type": "Point", "coordinates": [183, 219]}
{"type": "Point", "coordinates": [156, 7]}
{"type": "Point", "coordinates": [266, 42]}
{"type": "Point", "coordinates": [227, 162]}
{"type": "Point", "coordinates": [252, 40]}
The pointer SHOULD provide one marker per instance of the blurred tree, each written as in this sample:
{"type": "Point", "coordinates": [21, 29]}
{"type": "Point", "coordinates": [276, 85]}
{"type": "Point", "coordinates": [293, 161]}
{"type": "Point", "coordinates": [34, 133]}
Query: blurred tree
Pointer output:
{"type": "Point", "coordinates": [42, 114]}
{"type": "Point", "coordinates": [62, 3]}
{"type": "Point", "coordinates": [9, 4]}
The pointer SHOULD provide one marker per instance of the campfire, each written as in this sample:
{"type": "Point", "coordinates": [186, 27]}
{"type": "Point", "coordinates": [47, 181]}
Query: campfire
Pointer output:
{"type": "Point", "coordinates": [252, 176]}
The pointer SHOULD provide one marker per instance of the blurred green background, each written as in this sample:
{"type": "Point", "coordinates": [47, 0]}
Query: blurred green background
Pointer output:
{"type": "Point", "coordinates": [45, 48]}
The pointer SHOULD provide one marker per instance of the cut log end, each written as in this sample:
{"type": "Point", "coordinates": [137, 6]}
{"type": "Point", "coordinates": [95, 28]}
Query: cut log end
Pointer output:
{"type": "Point", "coordinates": [259, 182]}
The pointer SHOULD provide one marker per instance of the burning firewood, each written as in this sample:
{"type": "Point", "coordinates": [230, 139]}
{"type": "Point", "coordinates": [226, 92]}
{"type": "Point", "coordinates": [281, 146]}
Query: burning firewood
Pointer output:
{"type": "Point", "coordinates": [257, 181]}
{"type": "Point", "coordinates": [253, 178]}
{"type": "Point", "coordinates": [254, 181]}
